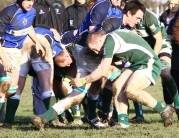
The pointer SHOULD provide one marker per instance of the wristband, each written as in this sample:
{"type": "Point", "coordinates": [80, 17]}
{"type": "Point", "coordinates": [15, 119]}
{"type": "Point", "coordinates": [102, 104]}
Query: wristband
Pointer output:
{"type": "Point", "coordinates": [83, 81]}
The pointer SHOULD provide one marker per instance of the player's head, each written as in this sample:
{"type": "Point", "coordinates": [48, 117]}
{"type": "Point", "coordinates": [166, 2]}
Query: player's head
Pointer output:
{"type": "Point", "coordinates": [80, 1]}
{"type": "Point", "coordinates": [25, 4]}
{"type": "Point", "coordinates": [123, 4]}
{"type": "Point", "coordinates": [111, 23]}
{"type": "Point", "coordinates": [133, 13]}
{"type": "Point", "coordinates": [115, 3]}
{"type": "Point", "coordinates": [95, 42]}
{"type": "Point", "coordinates": [63, 59]}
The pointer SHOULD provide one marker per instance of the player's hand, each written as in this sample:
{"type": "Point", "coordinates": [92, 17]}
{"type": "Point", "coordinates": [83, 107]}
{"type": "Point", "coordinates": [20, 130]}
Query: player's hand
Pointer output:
{"type": "Point", "coordinates": [40, 50]}
{"type": "Point", "coordinates": [7, 65]}
{"type": "Point", "coordinates": [77, 82]}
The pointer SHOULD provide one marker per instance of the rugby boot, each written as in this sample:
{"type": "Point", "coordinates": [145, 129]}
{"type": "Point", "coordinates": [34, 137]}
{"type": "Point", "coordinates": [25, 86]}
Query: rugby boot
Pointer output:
{"type": "Point", "coordinates": [38, 124]}
{"type": "Point", "coordinates": [137, 120]}
{"type": "Point", "coordinates": [166, 115]}
{"type": "Point", "coordinates": [77, 122]}
{"type": "Point", "coordinates": [177, 112]}
{"type": "Point", "coordinates": [6, 126]}
{"type": "Point", "coordinates": [112, 122]}
{"type": "Point", "coordinates": [57, 123]}
{"type": "Point", "coordinates": [120, 126]}
{"type": "Point", "coordinates": [96, 124]}
{"type": "Point", "coordinates": [103, 116]}
{"type": "Point", "coordinates": [85, 119]}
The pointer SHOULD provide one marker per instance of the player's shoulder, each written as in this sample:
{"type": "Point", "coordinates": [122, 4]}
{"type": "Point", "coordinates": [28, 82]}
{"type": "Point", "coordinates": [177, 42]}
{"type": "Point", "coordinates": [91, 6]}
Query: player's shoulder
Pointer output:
{"type": "Point", "coordinates": [10, 10]}
{"type": "Point", "coordinates": [100, 5]}
{"type": "Point", "coordinates": [149, 15]}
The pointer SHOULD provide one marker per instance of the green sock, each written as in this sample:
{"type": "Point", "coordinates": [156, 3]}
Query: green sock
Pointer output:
{"type": "Point", "coordinates": [107, 97]}
{"type": "Point", "coordinates": [49, 115]}
{"type": "Point", "coordinates": [11, 107]}
{"type": "Point", "coordinates": [92, 109]}
{"type": "Point", "coordinates": [138, 110]}
{"type": "Point", "coordinates": [123, 119]}
{"type": "Point", "coordinates": [76, 112]}
{"type": "Point", "coordinates": [1, 105]}
{"type": "Point", "coordinates": [62, 114]}
{"type": "Point", "coordinates": [114, 113]}
{"type": "Point", "coordinates": [49, 102]}
{"type": "Point", "coordinates": [159, 107]}
{"type": "Point", "coordinates": [172, 88]}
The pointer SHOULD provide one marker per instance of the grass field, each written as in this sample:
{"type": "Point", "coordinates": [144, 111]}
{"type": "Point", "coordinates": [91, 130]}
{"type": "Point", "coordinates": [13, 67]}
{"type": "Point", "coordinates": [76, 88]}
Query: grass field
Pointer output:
{"type": "Point", "coordinates": [152, 128]}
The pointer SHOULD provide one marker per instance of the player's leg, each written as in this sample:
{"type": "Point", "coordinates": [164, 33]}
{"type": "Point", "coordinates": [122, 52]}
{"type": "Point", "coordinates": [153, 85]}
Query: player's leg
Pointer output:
{"type": "Point", "coordinates": [120, 100]}
{"type": "Point", "coordinates": [74, 98]}
{"type": "Point", "coordinates": [169, 84]}
{"type": "Point", "coordinates": [135, 91]}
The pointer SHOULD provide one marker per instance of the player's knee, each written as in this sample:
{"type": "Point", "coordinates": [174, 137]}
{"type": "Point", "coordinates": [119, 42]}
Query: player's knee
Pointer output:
{"type": "Point", "coordinates": [5, 82]}
{"type": "Point", "coordinates": [165, 75]}
{"type": "Point", "coordinates": [11, 91]}
{"type": "Point", "coordinates": [130, 93]}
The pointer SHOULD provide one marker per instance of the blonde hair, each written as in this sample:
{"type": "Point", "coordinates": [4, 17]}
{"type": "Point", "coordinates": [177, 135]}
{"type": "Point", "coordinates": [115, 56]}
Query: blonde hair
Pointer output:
{"type": "Point", "coordinates": [173, 1]}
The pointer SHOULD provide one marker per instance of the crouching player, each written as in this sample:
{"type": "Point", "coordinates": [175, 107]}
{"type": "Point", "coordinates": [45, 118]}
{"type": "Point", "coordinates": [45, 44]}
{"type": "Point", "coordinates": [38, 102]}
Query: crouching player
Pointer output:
{"type": "Point", "coordinates": [145, 68]}
{"type": "Point", "coordinates": [42, 66]}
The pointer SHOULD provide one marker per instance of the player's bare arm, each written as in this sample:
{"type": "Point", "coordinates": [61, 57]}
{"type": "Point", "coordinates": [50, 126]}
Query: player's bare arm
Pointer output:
{"type": "Point", "coordinates": [158, 43]}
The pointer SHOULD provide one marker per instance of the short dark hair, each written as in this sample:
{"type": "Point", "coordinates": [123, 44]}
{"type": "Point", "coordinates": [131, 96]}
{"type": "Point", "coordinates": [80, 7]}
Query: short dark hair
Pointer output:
{"type": "Point", "coordinates": [133, 6]}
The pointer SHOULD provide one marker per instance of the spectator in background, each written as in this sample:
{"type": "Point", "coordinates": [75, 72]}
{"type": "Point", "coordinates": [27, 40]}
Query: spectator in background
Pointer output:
{"type": "Point", "coordinates": [76, 14]}
{"type": "Point", "coordinates": [56, 17]}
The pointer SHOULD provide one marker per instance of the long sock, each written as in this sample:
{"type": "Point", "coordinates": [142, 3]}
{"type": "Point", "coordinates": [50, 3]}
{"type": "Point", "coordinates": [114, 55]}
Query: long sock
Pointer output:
{"type": "Point", "coordinates": [159, 107]}
{"type": "Point", "coordinates": [76, 112]}
{"type": "Point", "coordinates": [166, 95]}
{"type": "Point", "coordinates": [92, 109]}
{"type": "Point", "coordinates": [49, 102]}
{"type": "Point", "coordinates": [138, 110]}
{"type": "Point", "coordinates": [11, 107]}
{"type": "Point", "coordinates": [114, 113]}
{"type": "Point", "coordinates": [172, 88]}
{"type": "Point", "coordinates": [123, 119]}
{"type": "Point", "coordinates": [107, 97]}
{"type": "Point", "coordinates": [85, 105]}
{"type": "Point", "coordinates": [49, 115]}
{"type": "Point", "coordinates": [1, 105]}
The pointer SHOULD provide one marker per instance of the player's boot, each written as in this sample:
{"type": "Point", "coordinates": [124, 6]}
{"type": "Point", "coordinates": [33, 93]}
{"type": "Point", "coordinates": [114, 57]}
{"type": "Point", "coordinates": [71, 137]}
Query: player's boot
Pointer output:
{"type": "Point", "coordinates": [112, 122]}
{"type": "Point", "coordinates": [77, 122]}
{"type": "Point", "coordinates": [120, 126]}
{"type": "Point", "coordinates": [38, 124]}
{"type": "Point", "coordinates": [6, 126]}
{"type": "Point", "coordinates": [167, 116]}
{"type": "Point", "coordinates": [137, 120]}
{"type": "Point", "coordinates": [96, 124]}
{"type": "Point", "coordinates": [103, 116]}
{"type": "Point", "coordinates": [177, 112]}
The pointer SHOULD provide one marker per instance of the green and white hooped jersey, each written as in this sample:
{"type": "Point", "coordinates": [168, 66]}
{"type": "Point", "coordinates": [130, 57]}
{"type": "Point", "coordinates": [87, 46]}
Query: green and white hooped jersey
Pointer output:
{"type": "Point", "coordinates": [150, 26]}
{"type": "Point", "coordinates": [127, 45]}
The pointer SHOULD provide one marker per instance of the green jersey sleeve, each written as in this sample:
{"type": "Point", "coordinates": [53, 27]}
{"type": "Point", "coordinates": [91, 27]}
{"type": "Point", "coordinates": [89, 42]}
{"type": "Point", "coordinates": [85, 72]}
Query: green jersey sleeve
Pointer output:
{"type": "Point", "coordinates": [152, 22]}
{"type": "Point", "coordinates": [109, 46]}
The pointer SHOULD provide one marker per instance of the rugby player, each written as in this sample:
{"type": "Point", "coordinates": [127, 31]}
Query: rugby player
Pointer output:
{"type": "Point", "coordinates": [145, 67]}
{"type": "Point", "coordinates": [16, 24]}
{"type": "Point", "coordinates": [155, 34]}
